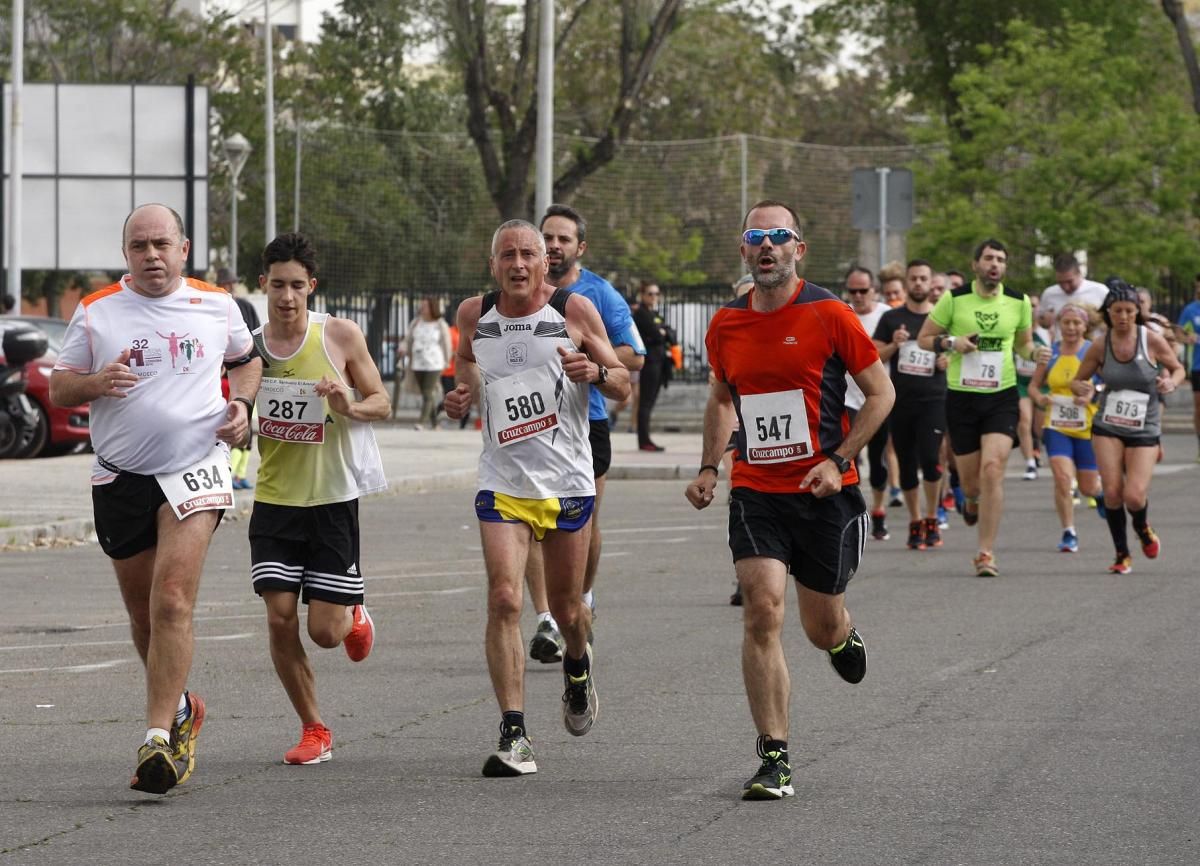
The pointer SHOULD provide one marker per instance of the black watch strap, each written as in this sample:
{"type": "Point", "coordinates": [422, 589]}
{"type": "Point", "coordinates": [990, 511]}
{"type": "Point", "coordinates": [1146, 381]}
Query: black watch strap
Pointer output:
{"type": "Point", "coordinates": [602, 374]}
{"type": "Point", "coordinates": [248, 402]}
{"type": "Point", "coordinates": [839, 461]}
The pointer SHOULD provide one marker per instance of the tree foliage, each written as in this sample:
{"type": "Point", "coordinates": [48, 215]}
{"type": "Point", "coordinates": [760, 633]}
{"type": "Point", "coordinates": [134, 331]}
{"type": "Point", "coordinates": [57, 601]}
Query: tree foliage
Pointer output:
{"type": "Point", "coordinates": [495, 47]}
{"type": "Point", "coordinates": [1067, 145]}
{"type": "Point", "coordinates": [923, 44]}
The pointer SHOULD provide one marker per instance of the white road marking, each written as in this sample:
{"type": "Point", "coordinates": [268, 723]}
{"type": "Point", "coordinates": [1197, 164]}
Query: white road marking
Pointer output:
{"type": "Point", "coordinates": [38, 646]}
{"type": "Point", "coordinates": [475, 573]}
{"type": "Point", "coordinates": [455, 591]}
{"type": "Point", "coordinates": [71, 669]}
{"type": "Point", "coordinates": [691, 527]}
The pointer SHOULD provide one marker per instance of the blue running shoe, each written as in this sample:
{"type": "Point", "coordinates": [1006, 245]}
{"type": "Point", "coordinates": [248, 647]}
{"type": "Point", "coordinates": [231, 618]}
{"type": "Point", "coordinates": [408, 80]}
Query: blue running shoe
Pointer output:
{"type": "Point", "coordinates": [1069, 543]}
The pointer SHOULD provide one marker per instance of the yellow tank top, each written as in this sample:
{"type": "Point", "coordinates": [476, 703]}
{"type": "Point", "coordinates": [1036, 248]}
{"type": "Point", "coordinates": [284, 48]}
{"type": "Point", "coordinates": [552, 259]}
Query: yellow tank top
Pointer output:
{"type": "Point", "coordinates": [309, 454]}
{"type": "Point", "coordinates": [1059, 374]}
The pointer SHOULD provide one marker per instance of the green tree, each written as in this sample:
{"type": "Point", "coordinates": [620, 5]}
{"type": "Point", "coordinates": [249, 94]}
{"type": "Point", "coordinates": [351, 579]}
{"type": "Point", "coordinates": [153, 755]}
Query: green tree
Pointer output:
{"type": "Point", "coordinates": [495, 47]}
{"type": "Point", "coordinates": [645, 257]}
{"type": "Point", "coordinates": [923, 44]}
{"type": "Point", "coordinates": [1067, 145]}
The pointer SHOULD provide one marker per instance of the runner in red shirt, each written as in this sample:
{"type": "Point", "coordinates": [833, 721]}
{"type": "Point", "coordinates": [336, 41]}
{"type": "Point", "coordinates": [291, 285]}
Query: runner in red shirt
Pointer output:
{"type": "Point", "coordinates": [780, 356]}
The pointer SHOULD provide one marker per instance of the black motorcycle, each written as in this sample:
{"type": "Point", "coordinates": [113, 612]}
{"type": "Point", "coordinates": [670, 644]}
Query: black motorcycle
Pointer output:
{"type": "Point", "coordinates": [19, 344]}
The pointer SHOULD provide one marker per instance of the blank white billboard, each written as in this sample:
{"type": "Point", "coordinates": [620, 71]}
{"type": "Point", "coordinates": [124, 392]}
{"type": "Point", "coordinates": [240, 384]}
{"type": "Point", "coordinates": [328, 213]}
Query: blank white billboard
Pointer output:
{"type": "Point", "coordinates": [93, 152]}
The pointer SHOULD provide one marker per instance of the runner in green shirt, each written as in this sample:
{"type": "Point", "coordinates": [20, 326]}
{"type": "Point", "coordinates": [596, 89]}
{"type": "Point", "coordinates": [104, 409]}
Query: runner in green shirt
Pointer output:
{"type": "Point", "coordinates": [982, 324]}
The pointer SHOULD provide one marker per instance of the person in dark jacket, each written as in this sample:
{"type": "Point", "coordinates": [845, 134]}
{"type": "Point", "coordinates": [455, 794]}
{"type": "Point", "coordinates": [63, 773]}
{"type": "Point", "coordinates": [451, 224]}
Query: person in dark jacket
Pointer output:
{"type": "Point", "coordinates": [654, 332]}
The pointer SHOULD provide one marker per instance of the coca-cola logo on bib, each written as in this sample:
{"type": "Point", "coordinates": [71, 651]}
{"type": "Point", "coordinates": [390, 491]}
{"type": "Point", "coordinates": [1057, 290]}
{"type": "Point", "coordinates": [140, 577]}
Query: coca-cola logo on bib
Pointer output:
{"type": "Point", "coordinates": [290, 431]}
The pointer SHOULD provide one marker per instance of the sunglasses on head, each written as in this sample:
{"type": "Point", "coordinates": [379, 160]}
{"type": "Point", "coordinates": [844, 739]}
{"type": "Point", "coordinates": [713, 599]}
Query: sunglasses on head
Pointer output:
{"type": "Point", "coordinates": [779, 237]}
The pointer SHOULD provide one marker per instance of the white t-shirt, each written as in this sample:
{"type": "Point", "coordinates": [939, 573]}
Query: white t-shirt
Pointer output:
{"type": "Point", "coordinates": [1089, 292]}
{"type": "Point", "coordinates": [855, 398]}
{"type": "Point", "coordinates": [178, 344]}
{"type": "Point", "coordinates": [428, 353]}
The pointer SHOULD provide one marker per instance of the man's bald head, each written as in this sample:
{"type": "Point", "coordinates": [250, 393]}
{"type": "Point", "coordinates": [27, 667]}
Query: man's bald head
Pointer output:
{"type": "Point", "coordinates": [178, 220]}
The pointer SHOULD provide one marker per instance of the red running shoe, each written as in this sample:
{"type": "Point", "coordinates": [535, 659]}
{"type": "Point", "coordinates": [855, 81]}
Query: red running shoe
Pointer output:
{"type": "Point", "coordinates": [362, 635]}
{"type": "Point", "coordinates": [1149, 540]}
{"type": "Point", "coordinates": [315, 746]}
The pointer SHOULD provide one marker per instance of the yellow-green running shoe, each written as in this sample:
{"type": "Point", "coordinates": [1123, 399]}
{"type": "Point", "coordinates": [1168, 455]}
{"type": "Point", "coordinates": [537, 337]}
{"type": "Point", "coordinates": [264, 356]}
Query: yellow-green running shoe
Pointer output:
{"type": "Point", "coordinates": [184, 735]}
{"type": "Point", "coordinates": [157, 771]}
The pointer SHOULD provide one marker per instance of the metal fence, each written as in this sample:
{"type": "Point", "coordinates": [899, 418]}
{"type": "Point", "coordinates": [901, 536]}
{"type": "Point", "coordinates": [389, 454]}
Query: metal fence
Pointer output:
{"type": "Point", "coordinates": [385, 318]}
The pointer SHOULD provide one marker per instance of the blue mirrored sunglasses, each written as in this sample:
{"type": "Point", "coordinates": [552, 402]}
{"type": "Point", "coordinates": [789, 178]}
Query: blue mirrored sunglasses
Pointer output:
{"type": "Point", "coordinates": [779, 237]}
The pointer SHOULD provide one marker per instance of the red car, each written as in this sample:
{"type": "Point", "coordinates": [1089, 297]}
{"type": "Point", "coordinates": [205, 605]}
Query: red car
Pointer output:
{"type": "Point", "coordinates": [58, 430]}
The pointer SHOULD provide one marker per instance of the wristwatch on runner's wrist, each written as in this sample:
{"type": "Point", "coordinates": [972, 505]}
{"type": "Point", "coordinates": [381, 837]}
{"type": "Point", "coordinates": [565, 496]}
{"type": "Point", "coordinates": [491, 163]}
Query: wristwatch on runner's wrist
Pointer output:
{"type": "Point", "coordinates": [839, 461]}
{"type": "Point", "coordinates": [601, 374]}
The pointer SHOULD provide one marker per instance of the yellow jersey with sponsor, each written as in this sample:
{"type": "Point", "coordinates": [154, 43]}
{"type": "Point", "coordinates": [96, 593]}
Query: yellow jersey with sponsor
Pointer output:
{"type": "Point", "coordinates": [309, 454]}
{"type": "Point", "coordinates": [1064, 414]}
{"type": "Point", "coordinates": [535, 420]}
{"type": "Point", "coordinates": [177, 344]}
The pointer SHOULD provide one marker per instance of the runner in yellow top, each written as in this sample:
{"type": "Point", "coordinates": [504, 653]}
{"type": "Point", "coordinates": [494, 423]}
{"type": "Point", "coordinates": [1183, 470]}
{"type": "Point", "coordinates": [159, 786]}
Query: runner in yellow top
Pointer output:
{"type": "Point", "coordinates": [1067, 436]}
{"type": "Point", "coordinates": [320, 388]}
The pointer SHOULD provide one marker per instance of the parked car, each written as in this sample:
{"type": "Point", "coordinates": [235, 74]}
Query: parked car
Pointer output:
{"type": "Point", "coordinates": [58, 430]}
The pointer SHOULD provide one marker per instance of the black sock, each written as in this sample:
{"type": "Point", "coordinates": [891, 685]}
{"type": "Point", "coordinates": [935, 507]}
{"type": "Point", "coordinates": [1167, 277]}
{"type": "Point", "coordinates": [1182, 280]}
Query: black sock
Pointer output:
{"type": "Point", "coordinates": [768, 745]}
{"type": "Point", "coordinates": [1139, 518]}
{"type": "Point", "coordinates": [1116, 527]}
{"type": "Point", "coordinates": [575, 667]}
{"type": "Point", "coordinates": [514, 723]}
{"type": "Point", "coordinates": [954, 480]}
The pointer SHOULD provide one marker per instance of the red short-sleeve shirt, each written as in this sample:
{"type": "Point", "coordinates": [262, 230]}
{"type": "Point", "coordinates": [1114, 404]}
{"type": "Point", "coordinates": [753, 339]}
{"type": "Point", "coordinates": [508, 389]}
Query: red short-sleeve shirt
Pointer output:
{"type": "Point", "coordinates": [786, 370]}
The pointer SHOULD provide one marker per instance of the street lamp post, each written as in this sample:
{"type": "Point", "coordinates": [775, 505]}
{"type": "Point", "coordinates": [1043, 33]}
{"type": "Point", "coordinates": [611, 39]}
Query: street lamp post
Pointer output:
{"type": "Point", "coordinates": [237, 151]}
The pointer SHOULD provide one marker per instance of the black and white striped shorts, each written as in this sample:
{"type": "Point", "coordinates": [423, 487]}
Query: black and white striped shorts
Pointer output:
{"type": "Point", "coordinates": [310, 550]}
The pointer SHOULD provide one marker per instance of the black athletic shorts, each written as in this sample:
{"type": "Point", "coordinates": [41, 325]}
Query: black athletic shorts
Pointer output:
{"type": "Point", "coordinates": [970, 415]}
{"type": "Point", "coordinates": [1129, 440]}
{"type": "Point", "coordinates": [126, 514]}
{"type": "Point", "coordinates": [601, 441]}
{"type": "Point", "coordinates": [820, 540]}
{"type": "Point", "coordinates": [309, 550]}
{"type": "Point", "coordinates": [1196, 380]}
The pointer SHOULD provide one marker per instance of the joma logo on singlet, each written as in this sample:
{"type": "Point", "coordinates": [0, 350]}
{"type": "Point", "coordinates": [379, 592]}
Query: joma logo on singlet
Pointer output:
{"type": "Point", "coordinates": [508, 328]}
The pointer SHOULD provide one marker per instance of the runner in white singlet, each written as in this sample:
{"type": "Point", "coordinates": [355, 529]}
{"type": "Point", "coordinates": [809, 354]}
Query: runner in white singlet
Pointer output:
{"type": "Point", "coordinates": [529, 351]}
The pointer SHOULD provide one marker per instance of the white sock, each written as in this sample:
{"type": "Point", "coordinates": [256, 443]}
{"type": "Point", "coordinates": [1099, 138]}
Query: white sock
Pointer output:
{"type": "Point", "coordinates": [1031, 463]}
{"type": "Point", "coordinates": [157, 732]}
{"type": "Point", "coordinates": [1070, 529]}
{"type": "Point", "coordinates": [587, 598]}
{"type": "Point", "coordinates": [181, 711]}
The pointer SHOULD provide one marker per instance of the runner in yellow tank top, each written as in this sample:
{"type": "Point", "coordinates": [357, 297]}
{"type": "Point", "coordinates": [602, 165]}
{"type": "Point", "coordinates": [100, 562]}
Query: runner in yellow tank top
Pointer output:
{"type": "Point", "coordinates": [318, 457]}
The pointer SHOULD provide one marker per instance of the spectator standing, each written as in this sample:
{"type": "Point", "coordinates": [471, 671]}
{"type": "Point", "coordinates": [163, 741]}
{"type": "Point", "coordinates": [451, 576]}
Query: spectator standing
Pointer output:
{"type": "Point", "coordinates": [428, 351]}
{"type": "Point", "coordinates": [655, 335]}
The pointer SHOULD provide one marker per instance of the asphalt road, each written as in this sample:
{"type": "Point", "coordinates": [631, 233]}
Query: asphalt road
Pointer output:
{"type": "Point", "coordinates": [1048, 716]}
